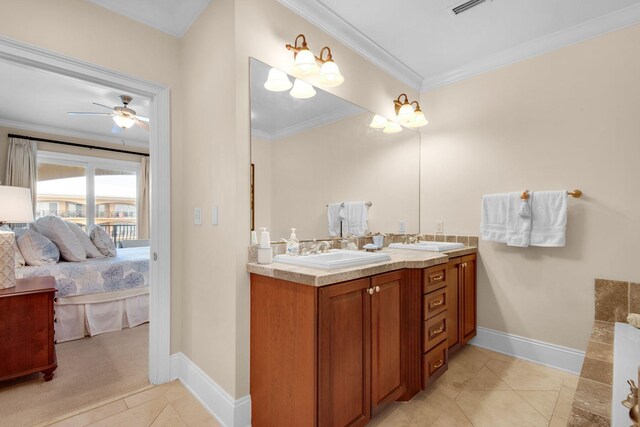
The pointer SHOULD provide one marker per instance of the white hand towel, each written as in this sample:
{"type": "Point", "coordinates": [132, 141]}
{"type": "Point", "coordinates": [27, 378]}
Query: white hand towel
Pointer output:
{"type": "Point", "coordinates": [548, 218]}
{"type": "Point", "coordinates": [335, 214]}
{"type": "Point", "coordinates": [357, 218]}
{"type": "Point", "coordinates": [518, 222]}
{"type": "Point", "coordinates": [493, 225]}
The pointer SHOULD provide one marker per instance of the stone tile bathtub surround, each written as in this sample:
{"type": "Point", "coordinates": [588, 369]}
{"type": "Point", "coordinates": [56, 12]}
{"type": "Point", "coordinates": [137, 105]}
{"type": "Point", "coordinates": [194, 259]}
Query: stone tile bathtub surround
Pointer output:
{"type": "Point", "coordinates": [612, 300]}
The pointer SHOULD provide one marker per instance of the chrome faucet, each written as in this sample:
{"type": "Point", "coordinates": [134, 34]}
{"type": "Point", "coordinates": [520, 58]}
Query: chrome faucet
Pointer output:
{"type": "Point", "coordinates": [320, 247]}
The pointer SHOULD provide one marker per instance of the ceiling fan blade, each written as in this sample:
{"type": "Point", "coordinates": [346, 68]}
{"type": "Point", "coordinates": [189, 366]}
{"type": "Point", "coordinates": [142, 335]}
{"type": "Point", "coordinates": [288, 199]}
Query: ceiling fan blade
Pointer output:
{"type": "Point", "coordinates": [102, 105]}
{"type": "Point", "coordinates": [142, 124]}
{"type": "Point", "coordinates": [83, 113]}
{"type": "Point", "coordinates": [143, 118]}
{"type": "Point", "coordinates": [117, 130]}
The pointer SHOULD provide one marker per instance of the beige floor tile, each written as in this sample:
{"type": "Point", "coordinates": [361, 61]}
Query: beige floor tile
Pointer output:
{"type": "Point", "coordinates": [557, 421]}
{"type": "Point", "coordinates": [190, 410]}
{"type": "Point", "coordinates": [157, 392]}
{"type": "Point", "coordinates": [496, 355]}
{"type": "Point", "coordinates": [209, 422]}
{"type": "Point", "coordinates": [522, 375]}
{"type": "Point", "coordinates": [142, 415]}
{"type": "Point", "coordinates": [485, 380]}
{"type": "Point", "coordinates": [168, 418]}
{"type": "Point", "coordinates": [176, 391]}
{"type": "Point", "coordinates": [498, 409]}
{"type": "Point", "coordinates": [471, 357]}
{"type": "Point", "coordinates": [565, 402]}
{"type": "Point", "coordinates": [544, 401]}
{"type": "Point", "coordinates": [93, 415]}
{"type": "Point", "coordinates": [453, 417]}
{"type": "Point", "coordinates": [571, 381]}
{"type": "Point", "coordinates": [457, 376]}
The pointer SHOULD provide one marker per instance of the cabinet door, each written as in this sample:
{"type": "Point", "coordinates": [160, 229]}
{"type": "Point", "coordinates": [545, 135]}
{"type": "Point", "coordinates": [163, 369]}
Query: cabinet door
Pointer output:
{"type": "Point", "coordinates": [453, 301]}
{"type": "Point", "coordinates": [469, 299]}
{"type": "Point", "coordinates": [344, 354]}
{"type": "Point", "coordinates": [387, 383]}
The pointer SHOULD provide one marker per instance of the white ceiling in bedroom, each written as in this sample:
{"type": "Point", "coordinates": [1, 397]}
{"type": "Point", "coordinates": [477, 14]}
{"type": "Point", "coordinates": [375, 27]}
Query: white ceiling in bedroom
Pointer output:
{"type": "Point", "coordinates": [39, 100]}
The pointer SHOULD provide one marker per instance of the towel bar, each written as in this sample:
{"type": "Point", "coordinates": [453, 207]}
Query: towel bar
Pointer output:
{"type": "Point", "coordinates": [575, 194]}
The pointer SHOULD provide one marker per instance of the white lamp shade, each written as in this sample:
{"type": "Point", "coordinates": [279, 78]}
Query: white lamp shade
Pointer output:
{"type": "Point", "coordinates": [406, 113]}
{"type": "Point", "coordinates": [278, 81]}
{"type": "Point", "coordinates": [378, 122]}
{"type": "Point", "coordinates": [124, 121]}
{"type": "Point", "coordinates": [330, 75]}
{"type": "Point", "coordinates": [15, 204]}
{"type": "Point", "coordinates": [418, 120]}
{"type": "Point", "coordinates": [302, 90]}
{"type": "Point", "coordinates": [392, 127]}
{"type": "Point", "coordinates": [305, 64]}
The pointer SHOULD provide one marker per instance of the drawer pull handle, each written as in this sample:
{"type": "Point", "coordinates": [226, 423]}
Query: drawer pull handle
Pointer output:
{"type": "Point", "coordinates": [436, 331]}
{"type": "Point", "coordinates": [437, 303]}
{"type": "Point", "coordinates": [438, 364]}
{"type": "Point", "coordinates": [438, 277]}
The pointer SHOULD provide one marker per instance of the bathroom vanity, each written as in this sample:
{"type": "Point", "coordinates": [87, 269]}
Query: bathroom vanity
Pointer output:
{"type": "Point", "coordinates": [335, 347]}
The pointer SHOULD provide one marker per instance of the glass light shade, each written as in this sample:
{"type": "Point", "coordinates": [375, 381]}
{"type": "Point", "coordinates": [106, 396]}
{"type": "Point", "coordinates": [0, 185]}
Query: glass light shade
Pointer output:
{"type": "Point", "coordinates": [16, 206]}
{"type": "Point", "coordinates": [392, 127]}
{"type": "Point", "coordinates": [278, 81]}
{"type": "Point", "coordinates": [406, 113]}
{"type": "Point", "coordinates": [378, 122]}
{"type": "Point", "coordinates": [302, 90]}
{"type": "Point", "coordinates": [330, 75]}
{"type": "Point", "coordinates": [305, 64]}
{"type": "Point", "coordinates": [124, 121]}
{"type": "Point", "coordinates": [418, 120]}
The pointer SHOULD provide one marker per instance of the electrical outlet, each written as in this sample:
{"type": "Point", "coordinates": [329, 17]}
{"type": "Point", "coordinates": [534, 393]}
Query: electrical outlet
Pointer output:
{"type": "Point", "coordinates": [440, 227]}
{"type": "Point", "coordinates": [197, 216]}
{"type": "Point", "coordinates": [402, 226]}
{"type": "Point", "coordinates": [214, 215]}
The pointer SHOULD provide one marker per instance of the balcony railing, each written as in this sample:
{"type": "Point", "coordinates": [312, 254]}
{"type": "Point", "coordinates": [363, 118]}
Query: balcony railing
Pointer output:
{"type": "Point", "coordinates": [83, 214]}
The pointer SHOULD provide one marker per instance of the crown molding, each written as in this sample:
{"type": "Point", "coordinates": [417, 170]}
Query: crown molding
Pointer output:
{"type": "Point", "coordinates": [330, 117]}
{"type": "Point", "coordinates": [73, 133]}
{"type": "Point", "coordinates": [604, 24]}
{"type": "Point", "coordinates": [330, 22]}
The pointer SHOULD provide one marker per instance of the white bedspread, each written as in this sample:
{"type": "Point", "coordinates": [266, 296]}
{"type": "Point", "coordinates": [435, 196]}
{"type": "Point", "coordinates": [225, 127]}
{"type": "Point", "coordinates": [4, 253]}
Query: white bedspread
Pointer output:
{"type": "Point", "coordinates": [128, 270]}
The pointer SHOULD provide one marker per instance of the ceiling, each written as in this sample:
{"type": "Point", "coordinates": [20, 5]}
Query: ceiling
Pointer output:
{"type": "Point", "coordinates": [38, 100]}
{"type": "Point", "coordinates": [277, 114]}
{"type": "Point", "coordinates": [171, 16]}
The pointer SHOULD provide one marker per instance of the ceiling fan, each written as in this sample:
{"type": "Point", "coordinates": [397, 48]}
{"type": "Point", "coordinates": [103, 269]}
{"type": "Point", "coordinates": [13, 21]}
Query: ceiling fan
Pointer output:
{"type": "Point", "coordinates": [123, 116]}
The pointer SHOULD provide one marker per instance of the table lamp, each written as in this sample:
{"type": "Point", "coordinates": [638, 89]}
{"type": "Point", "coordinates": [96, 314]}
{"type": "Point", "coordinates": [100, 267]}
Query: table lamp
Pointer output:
{"type": "Point", "coordinates": [15, 207]}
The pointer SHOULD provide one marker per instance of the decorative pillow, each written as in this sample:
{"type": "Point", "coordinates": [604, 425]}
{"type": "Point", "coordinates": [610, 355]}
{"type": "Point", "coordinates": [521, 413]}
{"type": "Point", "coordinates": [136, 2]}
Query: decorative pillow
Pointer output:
{"type": "Point", "coordinates": [89, 248]}
{"type": "Point", "coordinates": [57, 231]}
{"type": "Point", "coordinates": [37, 249]}
{"type": "Point", "coordinates": [102, 241]}
{"type": "Point", "coordinates": [19, 257]}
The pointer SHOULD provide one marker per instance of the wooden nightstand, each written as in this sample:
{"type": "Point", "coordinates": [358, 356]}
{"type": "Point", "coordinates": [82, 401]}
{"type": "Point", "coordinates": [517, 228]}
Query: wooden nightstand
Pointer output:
{"type": "Point", "coordinates": [26, 328]}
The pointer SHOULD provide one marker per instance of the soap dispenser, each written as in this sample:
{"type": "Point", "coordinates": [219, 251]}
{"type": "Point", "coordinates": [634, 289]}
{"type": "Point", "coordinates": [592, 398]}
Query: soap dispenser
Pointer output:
{"type": "Point", "coordinates": [265, 253]}
{"type": "Point", "coordinates": [293, 245]}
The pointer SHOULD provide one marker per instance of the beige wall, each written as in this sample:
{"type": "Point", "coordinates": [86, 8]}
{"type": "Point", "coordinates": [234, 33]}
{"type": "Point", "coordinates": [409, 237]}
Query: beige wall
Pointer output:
{"type": "Point", "coordinates": [344, 160]}
{"type": "Point", "coordinates": [564, 120]}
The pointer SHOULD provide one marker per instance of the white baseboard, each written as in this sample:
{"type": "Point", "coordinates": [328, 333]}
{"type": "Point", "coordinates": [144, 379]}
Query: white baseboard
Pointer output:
{"type": "Point", "coordinates": [228, 411]}
{"type": "Point", "coordinates": [555, 356]}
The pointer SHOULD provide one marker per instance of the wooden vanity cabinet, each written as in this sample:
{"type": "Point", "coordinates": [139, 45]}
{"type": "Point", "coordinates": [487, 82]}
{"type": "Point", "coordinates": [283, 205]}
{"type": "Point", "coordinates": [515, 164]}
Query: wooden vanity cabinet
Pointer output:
{"type": "Point", "coordinates": [461, 294]}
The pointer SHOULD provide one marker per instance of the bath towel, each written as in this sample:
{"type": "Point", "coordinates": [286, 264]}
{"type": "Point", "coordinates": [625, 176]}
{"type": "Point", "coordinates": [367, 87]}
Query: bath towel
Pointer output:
{"type": "Point", "coordinates": [335, 214]}
{"type": "Point", "coordinates": [493, 224]}
{"type": "Point", "coordinates": [357, 218]}
{"type": "Point", "coordinates": [548, 218]}
{"type": "Point", "coordinates": [518, 221]}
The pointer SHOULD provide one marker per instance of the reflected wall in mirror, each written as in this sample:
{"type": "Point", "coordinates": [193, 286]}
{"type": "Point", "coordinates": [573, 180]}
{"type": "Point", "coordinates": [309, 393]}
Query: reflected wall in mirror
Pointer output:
{"type": "Point", "coordinates": [308, 153]}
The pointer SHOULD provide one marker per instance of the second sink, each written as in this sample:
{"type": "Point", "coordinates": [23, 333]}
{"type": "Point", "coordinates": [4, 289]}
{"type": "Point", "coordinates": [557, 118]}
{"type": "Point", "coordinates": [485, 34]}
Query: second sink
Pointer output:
{"type": "Point", "coordinates": [334, 260]}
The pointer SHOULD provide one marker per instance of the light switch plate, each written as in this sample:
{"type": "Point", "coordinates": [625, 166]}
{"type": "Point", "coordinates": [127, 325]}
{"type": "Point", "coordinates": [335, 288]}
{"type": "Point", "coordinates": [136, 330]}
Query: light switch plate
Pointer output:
{"type": "Point", "coordinates": [440, 227]}
{"type": "Point", "coordinates": [403, 227]}
{"type": "Point", "coordinates": [214, 215]}
{"type": "Point", "coordinates": [197, 216]}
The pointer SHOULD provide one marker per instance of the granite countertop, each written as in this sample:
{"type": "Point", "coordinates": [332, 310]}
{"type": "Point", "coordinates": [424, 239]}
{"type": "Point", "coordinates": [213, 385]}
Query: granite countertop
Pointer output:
{"type": "Point", "coordinates": [400, 259]}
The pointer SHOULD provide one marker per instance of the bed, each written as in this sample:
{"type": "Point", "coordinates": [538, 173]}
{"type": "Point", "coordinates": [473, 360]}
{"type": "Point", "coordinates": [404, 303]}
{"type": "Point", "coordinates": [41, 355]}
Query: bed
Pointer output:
{"type": "Point", "coordinates": [98, 295]}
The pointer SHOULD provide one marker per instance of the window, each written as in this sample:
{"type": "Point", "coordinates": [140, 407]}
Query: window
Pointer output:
{"type": "Point", "coordinates": [89, 190]}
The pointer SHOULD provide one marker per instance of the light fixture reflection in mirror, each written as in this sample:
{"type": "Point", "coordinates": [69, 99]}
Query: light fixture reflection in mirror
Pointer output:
{"type": "Point", "coordinates": [302, 90]}
{"type": "Point", "coordinates": [278, 81]}
{"type": "Point", "coordinates": [378, 122]}
{"type": "Point", "coordinates": [329, 72]}
{"type": "Point", "coordinates": [392, 127]}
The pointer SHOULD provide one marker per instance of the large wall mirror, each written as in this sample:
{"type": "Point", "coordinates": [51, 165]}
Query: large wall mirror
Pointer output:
{"type": "Point", "coordinates": [309, 153]}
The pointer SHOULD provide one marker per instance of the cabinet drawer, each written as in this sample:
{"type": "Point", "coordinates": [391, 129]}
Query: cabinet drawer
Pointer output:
{"type": "Point", "coordinates": [434, 363]}
{"type": "Point", "coordinates": [434, 303]}
{"type": "Point", "coordinates": [434, 278]}
{"type": "Point", "coordinates": [434, 332]}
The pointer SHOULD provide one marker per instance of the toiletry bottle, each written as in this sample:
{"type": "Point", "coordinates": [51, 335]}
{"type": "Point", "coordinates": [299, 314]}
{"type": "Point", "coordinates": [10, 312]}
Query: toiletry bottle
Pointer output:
{"type": "Point", "coordinates": [265, 253]}
{"type": "Point", "coordinates": [293, 245]}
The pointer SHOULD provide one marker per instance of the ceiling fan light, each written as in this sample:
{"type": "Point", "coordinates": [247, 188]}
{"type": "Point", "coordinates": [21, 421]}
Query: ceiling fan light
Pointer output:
{"type": "Point", "coordinates": [330, 74]}
{"type": "Point", "coordinates": [406, 113]}
{"type": "Point", "coordinates": [302, 90]}
{"type": "Point", "coordinates": [378, 122]}
{"type": "Point", "coordinates": [278, 81]}
{"type": "Point", "coordinates": [305, 64]}
{"type": "Point", "coordinates": [418, 120]}
{"type": "Point", "coordinates": [392, 127]}
{"type": "Point", "coordinates": [125, 122]}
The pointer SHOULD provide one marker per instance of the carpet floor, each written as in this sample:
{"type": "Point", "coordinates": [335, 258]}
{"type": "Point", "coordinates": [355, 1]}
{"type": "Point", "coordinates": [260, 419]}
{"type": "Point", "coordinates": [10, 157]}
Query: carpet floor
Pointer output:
{"type": "Point", "coordinates": [90, 371]}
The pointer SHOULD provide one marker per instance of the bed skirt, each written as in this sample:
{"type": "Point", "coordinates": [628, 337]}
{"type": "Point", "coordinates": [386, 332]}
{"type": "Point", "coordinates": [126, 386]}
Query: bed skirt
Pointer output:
{"type": "Point", "coordinates": [94, 314]}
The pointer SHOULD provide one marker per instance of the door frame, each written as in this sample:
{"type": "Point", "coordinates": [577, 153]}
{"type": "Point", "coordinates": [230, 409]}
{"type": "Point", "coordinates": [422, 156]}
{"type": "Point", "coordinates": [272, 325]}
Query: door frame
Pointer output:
{"type": "Point", "coordinates": [160, 183]}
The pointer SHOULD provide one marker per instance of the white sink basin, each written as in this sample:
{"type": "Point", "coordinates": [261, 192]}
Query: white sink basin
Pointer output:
{"type": "Point", "coordinates": [427, 246]}
{"type": "Point", "coordinates": [335, 259]}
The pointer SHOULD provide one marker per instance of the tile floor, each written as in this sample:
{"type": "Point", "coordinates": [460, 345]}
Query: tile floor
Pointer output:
{"type": "Point", "coordinates": [481, 388]}
{"type": "Point", "coordinates": [166, 405]}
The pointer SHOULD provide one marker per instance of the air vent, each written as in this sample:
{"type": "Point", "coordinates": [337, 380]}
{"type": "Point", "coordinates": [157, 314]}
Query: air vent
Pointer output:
{"type": "Point", "coordinates": [466, 6]}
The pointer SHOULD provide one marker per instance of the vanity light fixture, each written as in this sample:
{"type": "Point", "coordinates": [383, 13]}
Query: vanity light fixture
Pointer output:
{"type": "Point", "coordinates": [278, 81]}
{"type": "Point", "coordinates": [418, 119]}
{"type": "Point", "coordinates": [392, 127]}
{"type": "Point", "coordinates": [329, 72]}
{"type": "Point", "coordinates": [304, 61]}
{"type": "Point", "coordinates": [378, 122]}
{"type": "Point", "coordinates": [407, 113]}
{"type": "Point", "coordinates": [302, 90]}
